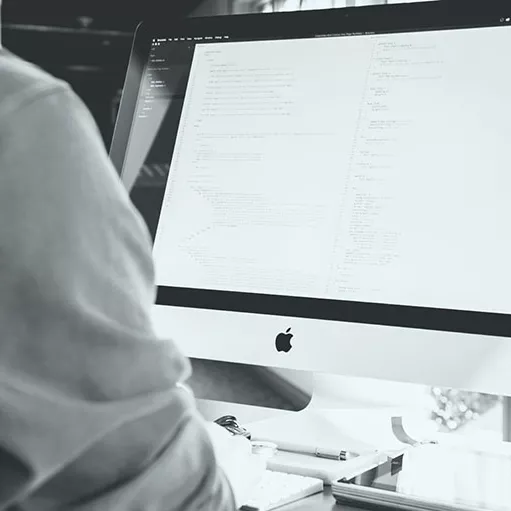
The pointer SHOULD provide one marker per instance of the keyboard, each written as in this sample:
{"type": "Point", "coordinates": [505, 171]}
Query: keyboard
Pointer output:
{"type": "Point", "coordinates": [277, 489]}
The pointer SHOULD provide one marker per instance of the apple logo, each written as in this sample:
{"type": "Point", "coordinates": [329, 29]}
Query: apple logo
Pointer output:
{"type": "Point", "coordinates": [283, 341]}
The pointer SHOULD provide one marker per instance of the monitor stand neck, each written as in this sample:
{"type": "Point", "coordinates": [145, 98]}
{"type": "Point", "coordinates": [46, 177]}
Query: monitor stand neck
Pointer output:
{"type": "Point", "coordinates": [326, 418]}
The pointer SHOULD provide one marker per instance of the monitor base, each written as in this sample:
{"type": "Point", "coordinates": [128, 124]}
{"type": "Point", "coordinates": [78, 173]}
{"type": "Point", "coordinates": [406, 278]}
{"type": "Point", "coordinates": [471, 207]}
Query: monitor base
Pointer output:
{"type": "Point", "coordinates": [328, 420]}
{"type": "Point", "coordinates": [375, 434]}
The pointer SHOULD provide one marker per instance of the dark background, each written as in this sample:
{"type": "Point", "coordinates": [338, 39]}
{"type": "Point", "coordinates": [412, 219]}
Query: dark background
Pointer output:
{"type": "Point", "coordinates": [86, 43]}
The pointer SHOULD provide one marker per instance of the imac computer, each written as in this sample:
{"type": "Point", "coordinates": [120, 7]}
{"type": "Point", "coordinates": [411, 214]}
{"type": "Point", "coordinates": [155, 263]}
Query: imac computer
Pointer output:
{"type": "Point", "coordinates": [329, 191]}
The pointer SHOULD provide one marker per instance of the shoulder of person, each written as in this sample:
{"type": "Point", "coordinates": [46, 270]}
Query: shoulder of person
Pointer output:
{"type": "Point", "coordinates": [22, 82]}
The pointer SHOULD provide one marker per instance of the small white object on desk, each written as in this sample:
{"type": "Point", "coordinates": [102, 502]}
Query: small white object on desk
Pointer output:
{"type": "Point", "coordinates": [265, 449]}
{"type": "Point", "coordinates": [277, 489]}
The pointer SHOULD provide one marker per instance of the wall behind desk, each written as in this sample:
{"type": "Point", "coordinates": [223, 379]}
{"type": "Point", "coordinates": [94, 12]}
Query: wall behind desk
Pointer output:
{"type": "Point", "coordinates": [84, 42]}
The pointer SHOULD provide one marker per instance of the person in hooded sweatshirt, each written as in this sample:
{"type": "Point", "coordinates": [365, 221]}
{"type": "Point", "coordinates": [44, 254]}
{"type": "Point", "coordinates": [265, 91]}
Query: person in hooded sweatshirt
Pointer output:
{"type": "Point", "coordinates": [94, 415]}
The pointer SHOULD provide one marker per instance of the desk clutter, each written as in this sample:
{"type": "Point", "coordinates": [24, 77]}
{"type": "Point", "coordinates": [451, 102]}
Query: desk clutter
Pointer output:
{"type": "Point", "coordinates": [444, 474]}
{"type": "Point", "coordinates": [329, 445]}
{"type": "Point", "coordinates": [439, 477]}
{"type": "Point", "coordinates": [388, 469]}
{"type": "Point", "coordinates": [298, 464]}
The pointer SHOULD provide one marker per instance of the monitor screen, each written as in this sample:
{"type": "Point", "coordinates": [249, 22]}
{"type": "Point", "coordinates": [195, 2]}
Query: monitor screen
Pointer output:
{"type": "Point", "coordinates": [366, 171]}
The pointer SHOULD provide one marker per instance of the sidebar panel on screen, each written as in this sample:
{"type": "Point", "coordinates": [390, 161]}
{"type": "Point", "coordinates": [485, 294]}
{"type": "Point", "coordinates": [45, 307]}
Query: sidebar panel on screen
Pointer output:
{"type": "Point", "coordinates": [154, 132]}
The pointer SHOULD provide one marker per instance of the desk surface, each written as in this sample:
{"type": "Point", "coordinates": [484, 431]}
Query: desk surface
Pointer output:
{"type": "Point", "coordinates": [320, 502]}
{"type": "Point", "coordinates": [453, 474]}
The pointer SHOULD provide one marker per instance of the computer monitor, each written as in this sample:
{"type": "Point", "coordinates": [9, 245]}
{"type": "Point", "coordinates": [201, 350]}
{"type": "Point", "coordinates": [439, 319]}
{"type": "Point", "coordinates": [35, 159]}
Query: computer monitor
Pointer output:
{"type": "Point", "coordinates": [329, 190]}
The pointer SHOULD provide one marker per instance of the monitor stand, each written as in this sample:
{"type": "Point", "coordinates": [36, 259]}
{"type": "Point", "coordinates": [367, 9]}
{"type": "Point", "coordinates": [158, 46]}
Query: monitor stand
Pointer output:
{"type": "Point", "coordinates": [327, 420]}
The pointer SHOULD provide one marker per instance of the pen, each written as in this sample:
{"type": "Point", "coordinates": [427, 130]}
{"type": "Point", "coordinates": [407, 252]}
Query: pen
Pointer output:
{"type": "Point", "coordinates": [318, 452]}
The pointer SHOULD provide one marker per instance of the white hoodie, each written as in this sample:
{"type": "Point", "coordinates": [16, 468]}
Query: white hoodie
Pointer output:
{"type": "Point", "coordinates": [91, 416]}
